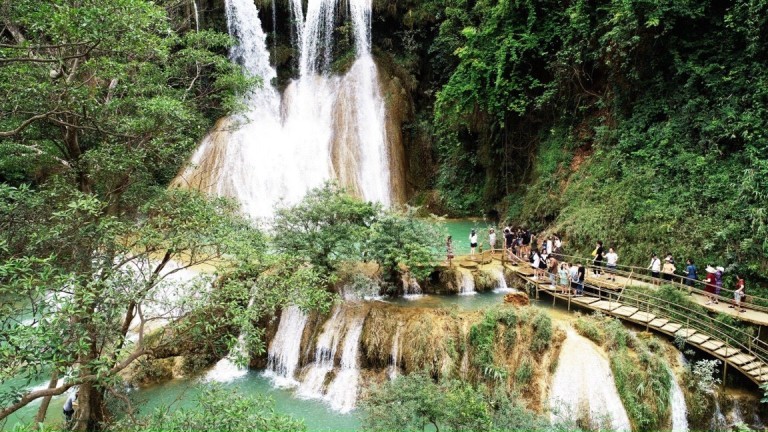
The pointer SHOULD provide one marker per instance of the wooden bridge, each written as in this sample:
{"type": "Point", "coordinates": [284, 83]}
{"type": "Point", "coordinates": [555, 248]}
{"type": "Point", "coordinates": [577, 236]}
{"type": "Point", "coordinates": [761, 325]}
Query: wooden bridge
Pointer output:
{"type": "Point", "coordinates": [736, 348]}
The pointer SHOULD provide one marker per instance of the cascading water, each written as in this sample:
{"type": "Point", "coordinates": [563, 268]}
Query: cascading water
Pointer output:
{"type": "Point", "coordinates": [467, 282]}
{"type": "Point", "coordinates": [395, 355]}
{"type": "Point", "coordinates": [342, 392]}
{"type": "Point", "coordinates": [583, 385]}
{"type": "Point", "coordinates": [325, 353]}
{"type": "Point", "coordinates": [678, 407]}
{"type": "Point", "coordinates": [324, 128]}
{"type": "Point", "coordinates": [501, 286]}
{"type": "Point", "coordinates": [283, 353]}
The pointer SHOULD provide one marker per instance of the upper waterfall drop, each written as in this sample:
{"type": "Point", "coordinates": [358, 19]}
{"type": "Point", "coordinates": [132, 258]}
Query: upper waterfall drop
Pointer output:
{"type": "Point", "coordinates": [323, 127]}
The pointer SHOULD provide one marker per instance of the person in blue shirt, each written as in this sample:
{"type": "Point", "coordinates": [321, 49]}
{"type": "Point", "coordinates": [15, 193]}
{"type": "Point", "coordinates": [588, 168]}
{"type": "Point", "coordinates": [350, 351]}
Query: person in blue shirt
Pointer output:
{"type": "Point", "coordinates": [690, 272]}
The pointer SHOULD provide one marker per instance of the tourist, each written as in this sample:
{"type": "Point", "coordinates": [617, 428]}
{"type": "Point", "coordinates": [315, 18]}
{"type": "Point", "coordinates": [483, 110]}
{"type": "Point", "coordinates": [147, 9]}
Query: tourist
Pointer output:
{"type": "Point", "coordinates": [526, 242]}
{"type": "Point", "coordinates": [509, 239]}
{"type": "Point", "coordinates": [581, 275]}
{"type": "Point", "coordinates": [573, 275]}
{"type": "Point", "coordinates": [552, 267]}
{"type": "Point", "coordinates": [563, 276]}
{"type": "Point", "coordinates": [711, 284]}
{"type": "Point", "coordinates": [690, 272]}
{"type": "Point", "coordinates": [558, 245]}
{"type": "Point", "coordinates": [449, 249]}
{"type": "Point", "coordinates": [598, 258]}
{"type": "Point", "coordinates": [535, 263]}
{"type": "Point", "coordinates": [611, 259]}
{"type": "Point", "coordinates": [655, 266]}
{"type": "Point", "coordinates": [719, 280]}
{"type": "Point", "coordinates": [739, 294]}
{"type": "Point", "coordinates": [550, 245]}
{"type": "Point", "coordinates": [472, 242]}
{"type": "Point", "coordinates": [668, 269]}
{"type": "Point", "coordinates": [492, 239]}
{"type": "Point", "coordinates": [69, 407]}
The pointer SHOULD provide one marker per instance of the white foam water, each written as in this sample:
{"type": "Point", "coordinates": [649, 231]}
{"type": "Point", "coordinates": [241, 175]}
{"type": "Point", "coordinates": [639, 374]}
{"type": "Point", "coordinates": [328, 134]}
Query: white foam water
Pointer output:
{"type": "Point", "coordinates": [325, 127]}
{"type": "Point", "coordinates": [467, 282]}
{"type": "Point", "coordinates": [312, 385]}
{"type": "Point", "coordinates": [342, 392]}
{"type": "Point", "coordinates": [283, 353]}
{"type": "Point", "coordinates": [501, 282]}
{"type": "Point", "coordinates": [584, 385]}
{"type": "Point", "coordinates": [677, 406]}
{"type": "Point", "coordinates": [394, 356]}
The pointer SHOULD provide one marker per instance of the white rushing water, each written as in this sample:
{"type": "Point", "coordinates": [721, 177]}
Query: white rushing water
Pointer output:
{"type": "Point", "coordinates": [394, 367]}
{"type": "Point", "coordinates": [467, 282]}
{"type": "Point", "coordinates": [324, 127]}
{"type": "Point", "coordinates": [342, 391]}
{"type": "Point", "coordinates": [283, 353]}
{"type": "Point", "coordinates": [678, 407]}
{"type": "Point", "coordinates": [501, 282]}
{"type": "Point", "coordinates": [583, 385]}
{"type": "Point", "coordinates": [325, 353]}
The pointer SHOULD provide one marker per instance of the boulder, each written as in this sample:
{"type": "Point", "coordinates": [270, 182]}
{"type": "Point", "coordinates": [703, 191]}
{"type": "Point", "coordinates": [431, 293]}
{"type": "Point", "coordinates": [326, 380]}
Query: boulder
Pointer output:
{"type": "Point", "coordinates": [517, 299]}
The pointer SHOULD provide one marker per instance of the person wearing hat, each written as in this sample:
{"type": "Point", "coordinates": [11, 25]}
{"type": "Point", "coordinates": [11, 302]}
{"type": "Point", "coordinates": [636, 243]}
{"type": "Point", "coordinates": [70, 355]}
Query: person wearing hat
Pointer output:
{"type": "Point", "coordinates": [711, 283]}
{"type": "Point", "coordinates": [668, 269]}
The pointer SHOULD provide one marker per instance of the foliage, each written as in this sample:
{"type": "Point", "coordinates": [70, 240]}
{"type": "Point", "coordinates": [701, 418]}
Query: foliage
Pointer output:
{"type": "Point", "coordinates": [415, 402]}
{"type": "Point", "coordinates": [330, 227]}
{"type": "Point", "coordinates": [216, 408]}
{"type": "Point", "coordinates": [601, 119]}
{"type": "Point", "coordinates": [699, 384]}
{"type": "Point", "coordinates": [401, 238]}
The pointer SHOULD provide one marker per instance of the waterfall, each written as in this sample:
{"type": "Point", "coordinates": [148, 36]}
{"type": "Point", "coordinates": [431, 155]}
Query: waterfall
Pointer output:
{"type": "Point", "coordinates": [197, 16]}
{"type": "Point", "coordinates": [501, 282]}
{"type": "Point", "coordinates": [342, 392]}
{"type": "Point", "coordinates": [678, 407]}
{"type": "Point", "coordinates": [467, 282]}
{"type": "Point", "coordinates": [283, 353]}
{"type": "Point", "coordinates": [325, 127]}
{"type": "Point", "coordinates": [395, 355]}
{"type": "Point", "coordinates": [583, 385]}
{"type": "Point", "coordinates": [325, 353]}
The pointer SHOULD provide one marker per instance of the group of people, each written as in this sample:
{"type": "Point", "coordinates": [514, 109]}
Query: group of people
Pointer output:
{"type": "Point", "coordinates": [543, 254]}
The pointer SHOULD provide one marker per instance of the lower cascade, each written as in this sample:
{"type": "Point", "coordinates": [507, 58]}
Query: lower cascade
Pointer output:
{"type": "Point", "coordinates": [342, 392]}
{"type": "Point", "coordinates": [284, 349]}
{"type": "Point", "coordinates": [583, 383]}
{"type": "Point", "coordinates": [467, 282]}
{"type": "Point", "coordinates": [678, 407]}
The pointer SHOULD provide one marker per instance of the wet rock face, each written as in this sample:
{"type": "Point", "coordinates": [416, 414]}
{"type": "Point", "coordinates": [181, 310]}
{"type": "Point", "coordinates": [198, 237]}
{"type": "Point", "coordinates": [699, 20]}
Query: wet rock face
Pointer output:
{"type": "Point", "coordinates": [517, 299]}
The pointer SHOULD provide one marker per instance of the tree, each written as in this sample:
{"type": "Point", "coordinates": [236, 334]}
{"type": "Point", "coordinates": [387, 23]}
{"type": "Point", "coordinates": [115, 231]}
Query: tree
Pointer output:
{"type": "Point", "coordinates": [401, 239]}
{"type": "Point", "coordinates": [415, 402]}
{"type": "Point", "coordinates": [326, 228]}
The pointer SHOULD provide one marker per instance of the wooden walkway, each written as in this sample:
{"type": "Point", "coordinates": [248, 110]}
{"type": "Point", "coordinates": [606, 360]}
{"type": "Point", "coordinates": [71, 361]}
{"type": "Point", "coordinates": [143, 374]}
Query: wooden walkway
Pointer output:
{"type": "Point", "coordinates": [750, 361]}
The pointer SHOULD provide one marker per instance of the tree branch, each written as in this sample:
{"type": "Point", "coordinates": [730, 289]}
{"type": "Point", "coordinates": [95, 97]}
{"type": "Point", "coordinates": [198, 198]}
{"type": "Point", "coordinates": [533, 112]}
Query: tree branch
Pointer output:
{"type": "Point", "coordinates": [24, 125]}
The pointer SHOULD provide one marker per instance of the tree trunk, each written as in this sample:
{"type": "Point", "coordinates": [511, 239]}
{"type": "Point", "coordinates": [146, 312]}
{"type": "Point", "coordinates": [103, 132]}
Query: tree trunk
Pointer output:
{"type": "Point", "coordinates": [40, 417]}
{"type": "Point", "coordinates": [89, 415]}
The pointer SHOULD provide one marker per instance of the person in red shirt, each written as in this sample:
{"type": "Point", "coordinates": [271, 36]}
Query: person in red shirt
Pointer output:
{"type": "Point", "coordinates": [739, 294]}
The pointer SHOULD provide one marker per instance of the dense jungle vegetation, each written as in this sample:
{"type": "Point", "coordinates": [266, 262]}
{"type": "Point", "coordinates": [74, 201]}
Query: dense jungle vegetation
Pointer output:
{"type": "Point", "coordinates": [641, 123]}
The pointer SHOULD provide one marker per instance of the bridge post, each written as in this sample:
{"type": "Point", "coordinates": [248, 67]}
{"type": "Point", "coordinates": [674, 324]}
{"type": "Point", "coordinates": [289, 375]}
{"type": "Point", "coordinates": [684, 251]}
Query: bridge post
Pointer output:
{"type": "Point", "coordinates": [725, 361]}
{"type": "Point", "coordinates": [647, 316]}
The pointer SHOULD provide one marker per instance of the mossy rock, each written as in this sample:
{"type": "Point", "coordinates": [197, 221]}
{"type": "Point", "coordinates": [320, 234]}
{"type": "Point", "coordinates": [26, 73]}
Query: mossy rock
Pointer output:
{"type": "Point", "coordinates": [484, 281]}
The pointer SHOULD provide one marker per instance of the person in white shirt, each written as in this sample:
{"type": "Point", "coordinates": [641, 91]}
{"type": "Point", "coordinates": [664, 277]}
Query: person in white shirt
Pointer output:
{"type": "Point", "coordinates": [472, 242]}
{"type": "Point", "coordinates": [492, 238]}
{"type": "Point", "coordinates": [655, 266]}
{"type": "Point", "coordinates": [611, 258]}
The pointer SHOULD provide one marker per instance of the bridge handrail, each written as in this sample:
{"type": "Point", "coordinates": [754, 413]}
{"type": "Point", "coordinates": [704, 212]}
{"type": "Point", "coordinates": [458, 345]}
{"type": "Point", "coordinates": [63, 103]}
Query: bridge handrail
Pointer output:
{"type": "Point", "coordinates": [640, 273]}
{"type": "Point", "coordinates": [700, 322]}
